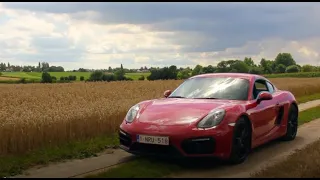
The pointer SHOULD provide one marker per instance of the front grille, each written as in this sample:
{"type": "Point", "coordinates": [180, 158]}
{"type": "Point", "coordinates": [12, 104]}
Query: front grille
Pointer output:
{"type": "Point", "coordinates": [203, 145]}
{"type": "Point", "coordinates": [154, 149]}
{"type": "Point", "coordinates": [125, 138]}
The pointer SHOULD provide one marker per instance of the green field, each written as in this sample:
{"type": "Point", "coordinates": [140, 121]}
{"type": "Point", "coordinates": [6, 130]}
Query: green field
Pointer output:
{"type": "Point", "coordinates": [294, 75]}
{"type": "Point", "coordinates": [86, 75]}
{"type": "Point", "coordinates": [135, 76]}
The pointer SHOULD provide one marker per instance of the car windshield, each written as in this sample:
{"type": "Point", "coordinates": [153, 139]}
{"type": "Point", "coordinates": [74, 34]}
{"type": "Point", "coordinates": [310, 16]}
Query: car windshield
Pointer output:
{"type": "Point", "coordinates": [213, 88]}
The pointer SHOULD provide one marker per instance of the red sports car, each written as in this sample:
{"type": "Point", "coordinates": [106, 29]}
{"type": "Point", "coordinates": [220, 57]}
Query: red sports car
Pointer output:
{"type": "Point", "coordinates": [221, 115]}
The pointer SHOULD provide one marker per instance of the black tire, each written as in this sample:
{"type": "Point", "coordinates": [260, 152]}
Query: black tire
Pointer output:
{"type": "Point", "coordinates": [292, 124]}
{"type": "Point", "coordinates": [241, 142]}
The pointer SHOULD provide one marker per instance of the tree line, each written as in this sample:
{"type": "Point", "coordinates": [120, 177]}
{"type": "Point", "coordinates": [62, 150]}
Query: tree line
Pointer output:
{"type": "Point", "coordinates": [42, 67]}
{"type": "Point", "coordinates": [45, 67]}
{"type": "Point", "coordinates": [98, 75]}
{"type": "Point", "coordinates": [283, 63]}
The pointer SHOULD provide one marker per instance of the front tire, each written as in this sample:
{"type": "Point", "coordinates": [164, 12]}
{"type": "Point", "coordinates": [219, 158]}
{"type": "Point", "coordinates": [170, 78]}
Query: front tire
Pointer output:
{"type": "Point", "coordinates": [292, 124]}
{"type": "Point", "coordinates": [241, 142]}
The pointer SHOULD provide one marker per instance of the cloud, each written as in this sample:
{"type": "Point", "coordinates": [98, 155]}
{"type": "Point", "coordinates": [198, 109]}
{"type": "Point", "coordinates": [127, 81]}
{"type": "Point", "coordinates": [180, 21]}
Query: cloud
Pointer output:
{"type": "Point", "coordinates": [101, 34]}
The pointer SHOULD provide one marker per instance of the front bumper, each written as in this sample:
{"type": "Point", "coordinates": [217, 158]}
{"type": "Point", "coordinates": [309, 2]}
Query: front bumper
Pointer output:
{"type": "Point", "coordinates": [198, 143]}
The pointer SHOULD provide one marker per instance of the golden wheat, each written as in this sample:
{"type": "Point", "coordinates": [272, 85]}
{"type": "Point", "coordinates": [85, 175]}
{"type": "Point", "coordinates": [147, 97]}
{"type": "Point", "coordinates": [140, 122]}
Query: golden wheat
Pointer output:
{"type": "Point", "coordinates": [34, 115]}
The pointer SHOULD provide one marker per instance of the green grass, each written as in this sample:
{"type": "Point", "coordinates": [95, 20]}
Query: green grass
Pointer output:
{"type": "Point", "coordinates": [307, 98]}
{"type": "Point", "coordinates": [142, 167]}
{"type": "Point", "coordinates": [294, 75]}
{"type": "Point", "coordinates": [37, 75]}
{"type": "Point", "coordinates": [27, 75]}
{"type": "Point", "coordinates": [136, 76]}
{"type": "Point", "coordinates": [309, 115]}
{"type": "Point", "coordinates": [12, 165]}
{"type": "Point", "coordinates": [86, 75]}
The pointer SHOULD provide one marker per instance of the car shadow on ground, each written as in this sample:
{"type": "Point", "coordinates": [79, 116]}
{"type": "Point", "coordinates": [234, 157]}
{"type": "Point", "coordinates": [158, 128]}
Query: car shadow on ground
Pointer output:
{"type": "Point", "coordinates": [209, 163]}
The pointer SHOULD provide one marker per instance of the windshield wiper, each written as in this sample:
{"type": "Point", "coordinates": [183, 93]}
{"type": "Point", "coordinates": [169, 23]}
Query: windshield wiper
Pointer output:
{"type": "Point", "coordinates": [176, 97]}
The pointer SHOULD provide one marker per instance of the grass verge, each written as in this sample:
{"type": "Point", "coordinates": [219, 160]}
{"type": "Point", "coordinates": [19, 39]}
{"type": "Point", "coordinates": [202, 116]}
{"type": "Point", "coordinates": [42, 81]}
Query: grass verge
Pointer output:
{"type": "Point", "coordinates": [13, 165]}
{"type": "Point", "coordinates": [307, 98]}
{"type": "Point", "coordinates": [142, 167]}
{"type": "Point", "coordinates": [304, 163]}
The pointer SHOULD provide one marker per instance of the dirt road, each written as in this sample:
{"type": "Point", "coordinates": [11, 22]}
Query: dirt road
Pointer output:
{"type": "Point", "coordinates": [262, 156]}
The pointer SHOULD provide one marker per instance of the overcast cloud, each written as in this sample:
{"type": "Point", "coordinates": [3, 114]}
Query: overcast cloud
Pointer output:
{"type": "Point", "coordinates": [102, 34]}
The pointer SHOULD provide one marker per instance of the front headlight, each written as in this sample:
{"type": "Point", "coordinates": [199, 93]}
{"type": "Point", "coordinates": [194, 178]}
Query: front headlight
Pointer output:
{"type": "Point", "coordinates": [212, 119]}
{"type": "Point", "coordinates": [132, 113]}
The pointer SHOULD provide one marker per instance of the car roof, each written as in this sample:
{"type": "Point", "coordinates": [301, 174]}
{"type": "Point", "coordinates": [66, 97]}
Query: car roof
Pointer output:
{"type": "Point", "coordinates": [235, 75]}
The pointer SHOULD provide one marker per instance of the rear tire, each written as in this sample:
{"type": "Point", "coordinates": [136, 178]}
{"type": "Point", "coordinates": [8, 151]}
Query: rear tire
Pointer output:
{"type": "Point", "coordinates": [292, 124]}
{"type": "Point", "coordinates": [241, 142]}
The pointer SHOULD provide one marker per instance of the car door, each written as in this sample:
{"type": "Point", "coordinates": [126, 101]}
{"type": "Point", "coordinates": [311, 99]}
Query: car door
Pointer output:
{"type": "Point", "coordinates": [264, 113]}
{"type": "Point", "coordinates": [278, 106]}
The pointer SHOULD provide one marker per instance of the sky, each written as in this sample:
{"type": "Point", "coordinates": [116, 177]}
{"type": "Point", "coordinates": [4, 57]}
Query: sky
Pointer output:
{"type": "Point", "coordinates": [101, 34]}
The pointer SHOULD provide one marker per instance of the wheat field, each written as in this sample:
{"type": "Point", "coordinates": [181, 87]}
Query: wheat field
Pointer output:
{"type": "Point", "coordinates": [35, 115]}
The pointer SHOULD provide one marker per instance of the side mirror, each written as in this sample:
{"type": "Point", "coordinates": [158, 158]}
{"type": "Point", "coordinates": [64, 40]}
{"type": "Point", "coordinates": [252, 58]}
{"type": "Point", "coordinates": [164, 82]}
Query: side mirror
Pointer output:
{"type": "Point", "coordinates": [263, 96]}
{"type": "Point", "coordinates": [167, 93]}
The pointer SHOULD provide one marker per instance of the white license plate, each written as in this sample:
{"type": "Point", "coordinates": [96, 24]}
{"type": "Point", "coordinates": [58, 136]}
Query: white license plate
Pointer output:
{"type": "Point", "coordinates": [160, 140]}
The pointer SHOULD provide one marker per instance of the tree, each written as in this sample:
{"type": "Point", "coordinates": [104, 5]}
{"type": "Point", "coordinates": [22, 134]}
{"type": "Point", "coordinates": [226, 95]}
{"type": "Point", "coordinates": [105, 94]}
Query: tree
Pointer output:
{"type": "Point", "coordinates": [233, 71]}
{"type": "Point", "coordinates": [46, 78]}
{"type": "Point", "coordinates": [96, 76]}
{"type": "Point", "coordinates": [45, 66]}
{"type": "Point", "coordinates": [209, 69]}
{"type": "Point", "coordinates": [197, 70]}
{"type": "Point", "coordinates": [267, 66]}
{"type": "Point", "coordinates": [256, 70]}
{"type": "Point", "coordinates": [223, 66]}
{"type": "Point", "coordinates": [280, 68]}
{"type": "Point", "coordinates": [72, 78]}
{"type": "Point", "coordinates": [119, 75]}
{"type": "Point", "coordinates": [285, 59]}
{"type": "Point", "coordinates": [82, 70]}
{"type": "Point", "coordinates": [141, 78]}
{"type": "Point", "coordinates": [3, 66]}
{"type": "Point", "coordinates": [249, 62]}
{"type": "Point", "coordinates": [109, 77]}
{"type": "Point", "coordinates": [240, 67]}
{"type": "Point", "coordinates": [292, 69]}
{"type": "Point", "coordinates": [172, 74]}
{"type": "Point", "coordinates": [55, 69]}
{"type": "Point", "coordinates": [307, 68]}
{"type": "Point", "coordinates": [183, 74]}
{"type": "Point", "coordinates": [81, 78]}
{"type": "Point", "coordinates": [163, 73]}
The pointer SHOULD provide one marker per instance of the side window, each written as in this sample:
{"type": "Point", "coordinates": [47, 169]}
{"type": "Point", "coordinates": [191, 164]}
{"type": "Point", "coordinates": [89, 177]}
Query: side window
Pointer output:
{"type": "Point", "coordinates": [259, 86]}
{"type": "Point", "coordinates": [270, 87]}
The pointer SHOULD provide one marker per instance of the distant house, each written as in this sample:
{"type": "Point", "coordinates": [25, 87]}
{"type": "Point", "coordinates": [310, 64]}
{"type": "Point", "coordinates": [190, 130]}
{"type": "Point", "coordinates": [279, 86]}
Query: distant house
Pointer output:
{"type": "Point", "coordinates": [143, 71]}
{"type": "Point", "coordinates": [9, 69]}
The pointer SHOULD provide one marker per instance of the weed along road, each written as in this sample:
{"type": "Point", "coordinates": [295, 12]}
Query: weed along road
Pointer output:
{"type": "Point", "coordinates": [259, 158]}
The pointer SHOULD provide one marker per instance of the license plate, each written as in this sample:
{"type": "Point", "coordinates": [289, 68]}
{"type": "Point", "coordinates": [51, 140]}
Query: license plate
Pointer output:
{"type": "Point", "coordinates": [160, 140]}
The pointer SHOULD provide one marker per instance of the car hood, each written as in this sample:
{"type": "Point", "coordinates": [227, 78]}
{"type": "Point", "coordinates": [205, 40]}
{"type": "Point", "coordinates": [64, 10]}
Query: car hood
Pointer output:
{"type": "Point", "coordinates": [176, 111]}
